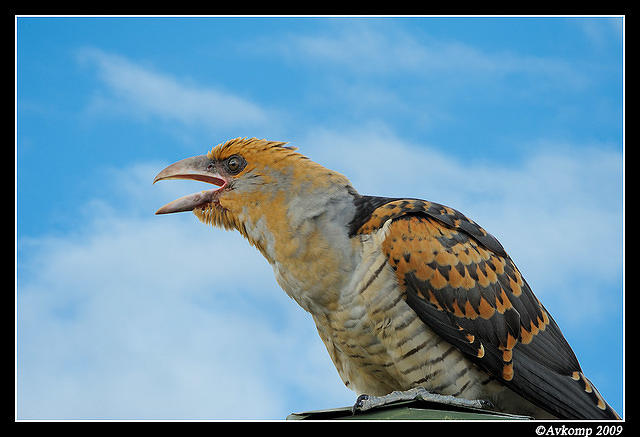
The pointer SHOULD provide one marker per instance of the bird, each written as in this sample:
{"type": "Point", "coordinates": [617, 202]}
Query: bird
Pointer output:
{"type": "Point", "coordinates": [411, 298]}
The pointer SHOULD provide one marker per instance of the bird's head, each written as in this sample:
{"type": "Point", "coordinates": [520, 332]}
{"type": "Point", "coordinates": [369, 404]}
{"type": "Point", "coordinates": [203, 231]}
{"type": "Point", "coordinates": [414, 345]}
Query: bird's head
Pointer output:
{"type": "Point", "coordinates": [259, 184]}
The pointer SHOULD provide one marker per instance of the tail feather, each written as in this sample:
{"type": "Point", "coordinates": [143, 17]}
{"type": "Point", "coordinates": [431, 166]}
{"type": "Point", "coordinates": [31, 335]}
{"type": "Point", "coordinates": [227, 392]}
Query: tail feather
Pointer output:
{"type": "Point", "coordinates": [566, 396]}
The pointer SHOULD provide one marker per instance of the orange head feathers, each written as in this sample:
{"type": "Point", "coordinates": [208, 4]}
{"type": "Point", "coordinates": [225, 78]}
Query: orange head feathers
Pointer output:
{"type": "Point", "coordinates": [256, 179]}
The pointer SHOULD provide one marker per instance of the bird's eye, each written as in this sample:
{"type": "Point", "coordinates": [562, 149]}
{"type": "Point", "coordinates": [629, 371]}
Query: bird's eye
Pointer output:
{"type": "Point", "coordinates": [235, 164]}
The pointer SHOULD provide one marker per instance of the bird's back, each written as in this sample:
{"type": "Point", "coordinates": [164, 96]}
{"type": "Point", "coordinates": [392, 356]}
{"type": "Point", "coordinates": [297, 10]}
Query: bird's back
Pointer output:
{"type": "Point", "coordinates": [379, 344]}
{"type": "Point", "coordinates": [439, 303]}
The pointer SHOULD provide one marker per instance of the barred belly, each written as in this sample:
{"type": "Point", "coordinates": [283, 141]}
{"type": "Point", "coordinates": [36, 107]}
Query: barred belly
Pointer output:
{"type": "Point", "coordinates": [379, 344]}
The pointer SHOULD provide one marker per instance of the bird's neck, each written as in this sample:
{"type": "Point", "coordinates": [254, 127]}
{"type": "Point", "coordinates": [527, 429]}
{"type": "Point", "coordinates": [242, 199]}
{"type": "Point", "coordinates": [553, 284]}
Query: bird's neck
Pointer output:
{"type": "Point", "coordinates": [305, 237]}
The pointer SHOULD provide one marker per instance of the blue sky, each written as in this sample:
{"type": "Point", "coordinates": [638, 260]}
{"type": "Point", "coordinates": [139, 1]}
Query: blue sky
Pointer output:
{"type": "Point", "coordinates": [121, 314]}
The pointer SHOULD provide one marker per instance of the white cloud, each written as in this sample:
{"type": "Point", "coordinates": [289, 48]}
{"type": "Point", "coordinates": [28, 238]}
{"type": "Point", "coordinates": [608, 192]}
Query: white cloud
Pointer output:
{"type": "Point", "coordinates": [389, 50]}
{"type": "Point", "coordinates": [133, 88]}
{"type": "Point", "coordinates": [601, 30]}
{"type": "Point", "coordinates": [140, 316]}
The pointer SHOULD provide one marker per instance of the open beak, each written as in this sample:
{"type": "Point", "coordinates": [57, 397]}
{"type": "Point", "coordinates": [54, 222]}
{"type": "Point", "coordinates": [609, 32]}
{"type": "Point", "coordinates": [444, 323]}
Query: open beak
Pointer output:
{"type": "Point", "coordinates": [199, 168]}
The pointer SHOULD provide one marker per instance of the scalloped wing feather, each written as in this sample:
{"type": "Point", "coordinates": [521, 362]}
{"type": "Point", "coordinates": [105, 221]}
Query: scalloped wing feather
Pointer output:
{"type": "Point", "coordinates": [460, 282]}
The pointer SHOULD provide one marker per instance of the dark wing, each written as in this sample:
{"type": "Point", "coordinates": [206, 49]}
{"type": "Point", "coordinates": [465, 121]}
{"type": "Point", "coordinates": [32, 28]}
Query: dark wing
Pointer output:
{"type": "Point", "coordinates": [463, 285]}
